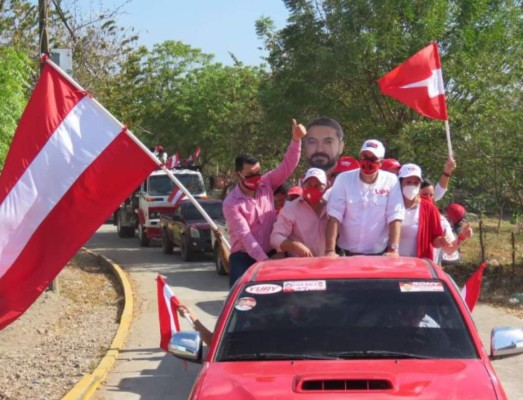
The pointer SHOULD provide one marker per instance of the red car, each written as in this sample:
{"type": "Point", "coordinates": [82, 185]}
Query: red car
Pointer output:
{"type": "Point", "coordinates": [346, 328]}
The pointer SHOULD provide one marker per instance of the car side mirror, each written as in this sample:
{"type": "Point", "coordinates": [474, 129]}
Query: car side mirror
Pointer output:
{"type": "Point", "coordinates": [506, 341]}
{"type": "Point", "coordinates": [186, 345]}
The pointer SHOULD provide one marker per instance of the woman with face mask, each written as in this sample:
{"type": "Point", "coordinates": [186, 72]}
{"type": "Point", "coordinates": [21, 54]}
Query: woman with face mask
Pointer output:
{"type": "Point", "coordinates": [300, 228]}
{"type": "Point", "coordinates": [421, 230]}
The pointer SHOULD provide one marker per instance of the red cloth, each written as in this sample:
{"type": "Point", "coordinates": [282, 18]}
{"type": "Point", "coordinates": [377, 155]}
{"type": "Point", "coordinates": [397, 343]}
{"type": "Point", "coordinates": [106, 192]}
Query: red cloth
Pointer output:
{"type": "Point", "coordinates": [429, 228]}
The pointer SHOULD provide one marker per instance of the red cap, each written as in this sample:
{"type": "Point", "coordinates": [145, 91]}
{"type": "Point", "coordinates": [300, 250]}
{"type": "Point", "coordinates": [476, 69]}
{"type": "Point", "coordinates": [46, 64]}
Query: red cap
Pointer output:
{"type": "Point", "coordinates": [295, 190]}
{"type": "Point", "coordinates": [455, 212]}
{"type": "Point", "coordinates": [390, 165]}
{"type": "Point", "coordinates": [346, 164]}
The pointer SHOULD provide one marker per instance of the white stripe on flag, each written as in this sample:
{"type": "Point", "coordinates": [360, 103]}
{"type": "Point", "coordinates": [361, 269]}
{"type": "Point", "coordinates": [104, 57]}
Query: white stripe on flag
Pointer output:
{"type": "Point", "coordinates": [67, 153]}
{"type": "Point", "coordinates": [167, 294]}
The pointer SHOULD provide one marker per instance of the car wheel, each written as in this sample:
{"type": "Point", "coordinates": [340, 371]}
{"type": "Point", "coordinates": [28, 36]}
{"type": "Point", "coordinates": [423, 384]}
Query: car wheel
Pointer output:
{"type": "Point", "coordinates": [123, 231]}
{"type": "Point", "coordinates": [142, 236]}
{"type": "Point", "coordinates": [186, 253]}
{"type": "Point", "coordinates": [218, 262]}
{"type": "Point", "coordinates": [167, 243]}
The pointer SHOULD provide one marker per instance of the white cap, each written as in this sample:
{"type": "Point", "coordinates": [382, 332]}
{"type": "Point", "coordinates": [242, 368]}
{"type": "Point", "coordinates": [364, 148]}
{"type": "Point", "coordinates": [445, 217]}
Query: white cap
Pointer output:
{"type": "Point", "coordinates": [410, 170]}
{"type": "Point", "coordinates": [375, 147]}
{"type": "Point", "coordinates": [317, 173]}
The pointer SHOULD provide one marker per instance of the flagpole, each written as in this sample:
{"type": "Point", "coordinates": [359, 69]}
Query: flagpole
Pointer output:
{"type": "Point", "coordinates": [449, 144]}
{"type": "Point", "coordinates": [145, 149]}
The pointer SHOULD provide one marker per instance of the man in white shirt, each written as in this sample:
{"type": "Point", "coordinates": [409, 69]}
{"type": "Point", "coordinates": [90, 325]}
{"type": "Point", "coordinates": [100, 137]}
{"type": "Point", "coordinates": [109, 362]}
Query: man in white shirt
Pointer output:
{"type": "Point", "coordinates": [365, 207]}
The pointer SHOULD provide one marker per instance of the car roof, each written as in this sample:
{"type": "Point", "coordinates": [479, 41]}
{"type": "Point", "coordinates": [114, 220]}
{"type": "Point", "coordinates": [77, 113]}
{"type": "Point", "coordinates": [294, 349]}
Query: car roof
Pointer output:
{"type": "Point", "coordinates": [357, 267]}
{"type": "Point", "coordinates": [175, 172]}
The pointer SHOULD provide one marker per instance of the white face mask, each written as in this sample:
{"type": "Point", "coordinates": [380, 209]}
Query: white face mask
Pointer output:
{"type": "Point", "coordinates": [410, 192]}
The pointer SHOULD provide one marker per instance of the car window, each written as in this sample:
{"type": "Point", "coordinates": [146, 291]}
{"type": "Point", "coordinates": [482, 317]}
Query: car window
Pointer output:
{"type": "Point", "coordinates": [214, 210]}
{"type": "Point", "coordinates": [162, 185]}
{"type": "Point", "coordinates": [346, 319]}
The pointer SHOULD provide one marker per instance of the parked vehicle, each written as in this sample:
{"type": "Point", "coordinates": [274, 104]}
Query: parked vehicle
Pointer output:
{"type": "Point", "coordinates": [187, 229]}
{"type": "Point", "coordinates": [353, 327]}
{"type": "Point", "coordinates": [141, 211]}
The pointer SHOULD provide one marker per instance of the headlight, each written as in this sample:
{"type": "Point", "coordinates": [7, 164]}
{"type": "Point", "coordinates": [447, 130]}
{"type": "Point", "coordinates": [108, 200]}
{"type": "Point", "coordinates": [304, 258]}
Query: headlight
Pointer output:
{"type": "Point", "coordinates": [195, 233]}
{"type": "Point", "coordinates": [154, 215]}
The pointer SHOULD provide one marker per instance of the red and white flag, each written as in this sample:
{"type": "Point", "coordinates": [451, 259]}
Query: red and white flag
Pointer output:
{"type": "Point", "coordinates": [173, 161]}
{"type": "Point", "coordinates": [176, 196]}
{"type": "Point", "coordinates": [168, 305]}
{"type": "Point", "coordinates": [196, 154]}
{"type": "Point", "coordinates": [418, 83]}
{"type": "Point", "coordinates": [69, 166]}
{"type": "Point", "coordinates": [472, 288]}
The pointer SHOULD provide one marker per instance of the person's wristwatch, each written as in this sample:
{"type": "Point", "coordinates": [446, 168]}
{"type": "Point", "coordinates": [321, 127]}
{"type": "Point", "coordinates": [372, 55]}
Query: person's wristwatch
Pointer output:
{"type": "Point", "coordinates": [393, 247]}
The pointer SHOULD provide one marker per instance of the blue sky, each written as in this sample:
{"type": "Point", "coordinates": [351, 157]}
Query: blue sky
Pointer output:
{"type": "Point", "coordinates": [214, 26]}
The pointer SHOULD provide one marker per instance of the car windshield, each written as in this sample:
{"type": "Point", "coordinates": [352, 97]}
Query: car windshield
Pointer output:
{"type": "Point", "coordinates": [162, 185]}
{"type": "Point", "coordinates": [345, 319]}
{"type": "Point", "coordinates": [214, 210]}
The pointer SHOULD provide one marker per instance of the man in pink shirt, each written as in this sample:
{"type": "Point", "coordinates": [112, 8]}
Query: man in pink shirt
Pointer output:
{"type": "Point", "coordinates": [249, 207]}
{"type": "Point", "coordinates": [301, 225]}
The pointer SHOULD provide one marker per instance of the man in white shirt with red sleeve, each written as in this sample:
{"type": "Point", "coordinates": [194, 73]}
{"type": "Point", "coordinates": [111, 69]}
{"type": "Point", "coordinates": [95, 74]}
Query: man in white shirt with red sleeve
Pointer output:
{"type": "Point", "coordinates": [365, 208]}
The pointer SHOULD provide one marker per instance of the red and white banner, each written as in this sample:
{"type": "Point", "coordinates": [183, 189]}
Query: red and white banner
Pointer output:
{"type": "Point", "coordinates": [69, 166]}
{"type": "Point", "coordinates": [175, 196]}
{"type": "Point", "coordinates": [173, 161]}
{"type": "Point", "coordinates": [168, 305]}
{"type": "Point", "coordinates": [418, 83]}
{"type": "Point", "coordinates": [472, 288]}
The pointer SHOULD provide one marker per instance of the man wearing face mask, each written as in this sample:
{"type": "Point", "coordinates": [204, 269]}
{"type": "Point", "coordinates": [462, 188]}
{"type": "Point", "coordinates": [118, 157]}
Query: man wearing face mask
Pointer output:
{"type": "Point", "coordinates": [421, 230]}
{"type": "Point", "coordinates": [300, 228]}
{"type": "Point", "coordinates": [249, 207]}
{"type": "Point", "coordinates": [365, 207]}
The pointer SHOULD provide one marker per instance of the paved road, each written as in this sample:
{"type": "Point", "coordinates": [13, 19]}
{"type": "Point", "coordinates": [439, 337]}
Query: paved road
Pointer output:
{"type": "Point", "coordinates": [145, 372]}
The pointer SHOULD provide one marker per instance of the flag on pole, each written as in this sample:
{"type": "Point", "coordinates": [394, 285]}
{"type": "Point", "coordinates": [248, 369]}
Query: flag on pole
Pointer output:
{"type": "Point", "coordinates": [173, 161]}
{"type": "Point", "coordinates": [69, 166]}
{"type": "Point", "coordinates": [168, 305]}
{"type": "Point", "coordinates": [176, 196]}
{"type": "Point", "coordinates": [196, 153]}
{"type": "Point", "coordinates": [418, 83]}
{"type": "Point", "coordinates": [472, 288]}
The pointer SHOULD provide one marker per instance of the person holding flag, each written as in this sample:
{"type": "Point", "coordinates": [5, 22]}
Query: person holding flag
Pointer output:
{"type": "Point", "coordinates": [249, 206]}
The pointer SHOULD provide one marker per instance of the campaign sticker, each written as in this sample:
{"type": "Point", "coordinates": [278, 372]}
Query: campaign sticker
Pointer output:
{"type": "Point", "coordinates": [266, 288]}
{"type": "Point", "coordinates": [421, 287]}
{"type": "Point", "coordinates": [304, 286]}
{"type": "Point", "coordinates": [245, 304]}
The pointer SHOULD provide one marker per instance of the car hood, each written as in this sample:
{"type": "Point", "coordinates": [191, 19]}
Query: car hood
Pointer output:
{"type": "Point", "coordinates": [408, 379]}
{"type": "Point", "coordinates": [199, 224]}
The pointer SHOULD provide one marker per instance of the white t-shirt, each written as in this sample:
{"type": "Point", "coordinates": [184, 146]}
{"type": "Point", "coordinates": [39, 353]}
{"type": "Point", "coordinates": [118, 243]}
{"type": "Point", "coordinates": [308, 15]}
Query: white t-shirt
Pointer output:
{"type": "Point", "coordinates": [409, 233]}
{"type": "Point", "coordinates": [365, 210]}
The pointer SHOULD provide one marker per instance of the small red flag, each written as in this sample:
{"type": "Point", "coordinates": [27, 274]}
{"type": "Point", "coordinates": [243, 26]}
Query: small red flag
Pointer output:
{"type": "Point", "coordinates": [168, 305]}
{"type": "Point", "coordinates": [418, 83]}
{"type": "Point", "coordinates": [196, 153]}
{"type": "Point", "coordinates": [176, 196]}
{"type": "Point", "coordinates": [472, 288]}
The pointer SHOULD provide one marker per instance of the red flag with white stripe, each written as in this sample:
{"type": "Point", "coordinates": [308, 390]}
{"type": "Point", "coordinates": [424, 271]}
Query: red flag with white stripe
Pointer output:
{"type": "Point", "coordinates": [418, 83]}
{"type": "Point", "coordinates": [175, 196]}
{"type": "Point", "coordinates": [472, 288]}
{"type": "Point", "coordinates": [168, 305]}
{"type": "Point", "coordinates": [69, 166]}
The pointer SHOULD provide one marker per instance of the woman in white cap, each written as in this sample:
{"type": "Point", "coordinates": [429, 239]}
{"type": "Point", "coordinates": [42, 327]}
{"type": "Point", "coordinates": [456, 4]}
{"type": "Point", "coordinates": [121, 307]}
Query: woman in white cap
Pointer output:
{"type": "Point", "coordinates": [421, 229]}
{"type": "Point", "coordinates": [300, 228]}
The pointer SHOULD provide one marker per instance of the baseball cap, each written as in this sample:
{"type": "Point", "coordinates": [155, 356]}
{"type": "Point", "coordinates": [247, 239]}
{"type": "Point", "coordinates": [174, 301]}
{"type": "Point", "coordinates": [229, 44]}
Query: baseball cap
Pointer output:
{"type": "Point", "coordinates": [456, 212]}
{"type": "Point", "coordinates": [375, 147]}
{"type": "Point", "coordinates": [390, 165]}
{"type": "Point", "coordinates": [295, 190]}
{"type": "Point", "coordinates": [346, 164]}
{"type": "Point", "coordinates": [316, 173]}
{"type": "Point", "coordinates": [410, 170]}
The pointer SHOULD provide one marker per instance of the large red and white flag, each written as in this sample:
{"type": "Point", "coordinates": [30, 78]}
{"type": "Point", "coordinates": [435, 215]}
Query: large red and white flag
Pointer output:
{"type": "Point", "coordinates": [472, 288]}
{"type": "Point", "coordinates": [418, 83]}
{"type": "Point", "coordinates": [69, 166]}
{"type": "Point", "coordinates": [168, 305]}
{"type": "Point", "coordinates": [175, 196]}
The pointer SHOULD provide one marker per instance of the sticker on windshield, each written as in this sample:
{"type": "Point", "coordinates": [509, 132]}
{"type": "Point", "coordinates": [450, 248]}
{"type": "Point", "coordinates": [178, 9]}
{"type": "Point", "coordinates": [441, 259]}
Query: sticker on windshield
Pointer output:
{"type": "Point", "coordinates": [303, 286]}
{"type": "Point", "coordinates": [245, 304]}
{"type": "Point", "coordinates": [421, 287]}
{"type": "Point", "coordinates": [266, 288]}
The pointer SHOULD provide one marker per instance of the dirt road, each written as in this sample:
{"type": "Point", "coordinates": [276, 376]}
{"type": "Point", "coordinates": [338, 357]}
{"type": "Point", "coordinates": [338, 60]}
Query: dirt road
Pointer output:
{"type": "Point", "coordinates": [143, 371]}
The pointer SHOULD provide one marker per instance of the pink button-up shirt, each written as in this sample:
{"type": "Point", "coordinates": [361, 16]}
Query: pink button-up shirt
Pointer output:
{"type": "Point", "coordinates": [298, 221]}
{"type": "Point", "coordinates": [250, 219]}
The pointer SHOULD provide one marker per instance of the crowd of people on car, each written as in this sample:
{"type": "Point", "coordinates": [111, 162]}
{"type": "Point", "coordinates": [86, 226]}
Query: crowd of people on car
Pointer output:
{"type": "Point", "coordinates": [342, 207]}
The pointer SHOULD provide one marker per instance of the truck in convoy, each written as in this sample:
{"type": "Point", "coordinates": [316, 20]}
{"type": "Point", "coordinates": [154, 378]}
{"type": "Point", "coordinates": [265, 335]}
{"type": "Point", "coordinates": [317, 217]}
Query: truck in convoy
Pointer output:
{"type": "Point", "coordinates": [141, 211]}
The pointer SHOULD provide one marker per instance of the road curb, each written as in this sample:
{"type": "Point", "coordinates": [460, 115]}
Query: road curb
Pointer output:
{"type": "Point", "coordinates": [86, 387]}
